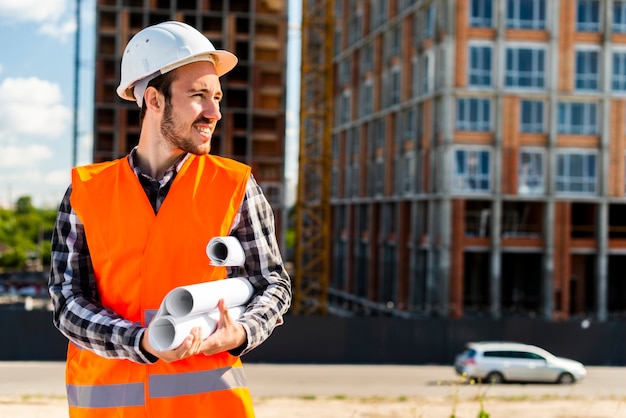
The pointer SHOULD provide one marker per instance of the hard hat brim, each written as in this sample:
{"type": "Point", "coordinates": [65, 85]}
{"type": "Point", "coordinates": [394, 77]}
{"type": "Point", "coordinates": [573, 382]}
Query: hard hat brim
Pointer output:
{"type": "Point", "coordinates": [223, 60]}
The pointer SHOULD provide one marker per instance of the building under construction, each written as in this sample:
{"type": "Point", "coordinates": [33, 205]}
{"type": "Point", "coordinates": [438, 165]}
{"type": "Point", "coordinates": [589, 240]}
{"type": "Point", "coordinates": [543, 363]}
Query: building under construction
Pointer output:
{"type": "Point", "coordinates": [252, 129]}
{"type": "Point", "coordinates": [476, 161]}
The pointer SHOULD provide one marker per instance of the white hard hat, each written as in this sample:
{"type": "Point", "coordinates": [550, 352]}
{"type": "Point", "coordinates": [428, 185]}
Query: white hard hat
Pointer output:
{"type": "Point", "coordinates": [163, 47]}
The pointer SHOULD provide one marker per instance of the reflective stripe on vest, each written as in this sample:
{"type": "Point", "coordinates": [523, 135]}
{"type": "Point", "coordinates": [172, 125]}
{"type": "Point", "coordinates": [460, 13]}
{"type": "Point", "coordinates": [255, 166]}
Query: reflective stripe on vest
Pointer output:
{"type": "Point", "coordinates": [160, 386]}
{"type": "Point", "coordinates": [193, 383]}
{"type": "Point", "coordinates": [105, 396]}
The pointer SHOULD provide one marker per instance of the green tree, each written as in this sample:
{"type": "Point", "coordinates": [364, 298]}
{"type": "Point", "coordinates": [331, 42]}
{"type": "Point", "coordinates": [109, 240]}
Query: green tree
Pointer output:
{"type": "Point", "coordinates": [24, 234]}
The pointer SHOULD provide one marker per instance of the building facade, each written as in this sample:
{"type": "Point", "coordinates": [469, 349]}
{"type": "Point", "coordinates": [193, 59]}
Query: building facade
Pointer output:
{"type": "Point", "coordinates": [252, 129]}
{"type": "Point", "coordinates": [478, 158]}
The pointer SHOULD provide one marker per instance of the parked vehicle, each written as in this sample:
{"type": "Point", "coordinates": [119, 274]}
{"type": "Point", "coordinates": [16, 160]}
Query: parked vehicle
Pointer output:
{"type": "Point", "coordinates": [497, 362]}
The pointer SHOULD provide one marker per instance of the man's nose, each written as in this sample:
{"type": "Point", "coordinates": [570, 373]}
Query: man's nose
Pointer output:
{"type": "Point", "coordinates": [212, 110]}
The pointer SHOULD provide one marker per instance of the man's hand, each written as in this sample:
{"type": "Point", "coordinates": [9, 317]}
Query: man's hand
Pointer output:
{"type": "Point", "coordinates": [227, 335]}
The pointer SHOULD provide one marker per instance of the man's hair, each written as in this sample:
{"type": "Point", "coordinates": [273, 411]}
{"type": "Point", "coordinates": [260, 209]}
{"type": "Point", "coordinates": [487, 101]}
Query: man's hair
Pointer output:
{"type": "Point", "coordinates": [163, 84]}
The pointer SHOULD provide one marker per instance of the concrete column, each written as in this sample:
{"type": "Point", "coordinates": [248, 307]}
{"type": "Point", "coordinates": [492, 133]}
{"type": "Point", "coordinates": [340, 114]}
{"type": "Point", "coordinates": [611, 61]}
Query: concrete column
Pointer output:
{"type": "Point", "coordinates": [602, 262]}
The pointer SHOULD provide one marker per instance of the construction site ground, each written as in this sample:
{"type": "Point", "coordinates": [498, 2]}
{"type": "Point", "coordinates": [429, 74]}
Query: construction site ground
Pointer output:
{"type": "Point", "coordinates": [36, 389]}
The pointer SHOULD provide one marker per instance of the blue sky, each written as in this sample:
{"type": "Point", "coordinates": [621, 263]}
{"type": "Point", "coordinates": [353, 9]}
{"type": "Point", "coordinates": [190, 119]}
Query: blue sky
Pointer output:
{"type": "Point", "coordinates": [37, 96]}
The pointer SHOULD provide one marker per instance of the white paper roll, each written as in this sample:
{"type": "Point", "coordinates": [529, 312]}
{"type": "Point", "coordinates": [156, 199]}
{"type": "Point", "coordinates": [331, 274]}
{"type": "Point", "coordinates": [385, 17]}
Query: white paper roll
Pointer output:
{"type": "Point", "coordinates": [225, 251]}
{"type": "Point", "coordinates": [203, 297]}
{"type": "Point", "coordinates": [168, 332]}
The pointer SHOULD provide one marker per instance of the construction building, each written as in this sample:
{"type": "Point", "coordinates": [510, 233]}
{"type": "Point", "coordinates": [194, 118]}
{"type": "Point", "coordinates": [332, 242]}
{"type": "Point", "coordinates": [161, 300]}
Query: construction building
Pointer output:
{"type": "Point", "coordinates": [252, 129]}
{"type": "Point", "coordinates": [477, 155]}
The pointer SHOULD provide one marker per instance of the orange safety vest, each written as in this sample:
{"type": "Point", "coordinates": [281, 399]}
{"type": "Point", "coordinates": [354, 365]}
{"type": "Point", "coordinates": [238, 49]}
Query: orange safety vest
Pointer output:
{"type": "Point", "coordinates": [137, 258]}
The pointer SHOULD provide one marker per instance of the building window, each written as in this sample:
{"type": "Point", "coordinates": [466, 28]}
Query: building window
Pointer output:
{"type": "Point", "coordinates": [353, 147]}
{"type": "Point", "coordinates": [344, 107]}
{"type": "Point", "coordinates": [409, 172]}
{"type": "Point", "coordinates": [587, 70]}
{"type": "Point", "coordinates": [480, 66]}
{"type": "Point", "coordinates": [619, 16]}
{"type": "Point", "coordinates": [368, 51]}
{"type": "Point", "coordinates": [355, 27]}
{"type": "Point", "coordinates": [618, 82]}
{"type": "Point", "coordinates": [377, 160]}
{"type": "Point", "coordinates": [530, 176]}
{"type": "Point", "coordinates": [344, 71]}
{"type": "Point", "coordinates": [576, 172]}
{"type": "Point", "coordinates": [473, 114]}
{"type": "Point", "coordinates": [409, 124]}
{"type": "Point", "coordinates": [395, 41]}
{"type": "Point", "coordinates": [366, 98]}
{"type": "Point", "coordinates": [426, 72]}
{"type": "Point", "coordinates": [379, 13]}
{"type": "Point", "coordinates": [525, 67]}
{"type": "Point", "coordinates": [532, 116]}
{"type": "Point", "coordinates": [394, 93]}
{"type": "Point", "coordinates": [429, 30]}
{"type": "Point", "coordinates": [481, 13]}
{"type": "Point", "coordinates": [526, 14]}
{"type": "Point", "coordinates": [472, 168]}
{"type": "Point", "coordinates": [578, 118]}
{"type": "Point", "coordinates": [588, 16]}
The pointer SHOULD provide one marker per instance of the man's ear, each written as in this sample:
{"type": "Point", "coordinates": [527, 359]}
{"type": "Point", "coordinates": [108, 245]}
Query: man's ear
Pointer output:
{"type": "Point", "coordinates": [154, 100]}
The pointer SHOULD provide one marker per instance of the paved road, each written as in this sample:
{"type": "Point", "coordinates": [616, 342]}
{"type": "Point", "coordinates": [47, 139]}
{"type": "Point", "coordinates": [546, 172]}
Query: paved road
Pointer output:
{"type": "Point", "coordinates": [268, 380]}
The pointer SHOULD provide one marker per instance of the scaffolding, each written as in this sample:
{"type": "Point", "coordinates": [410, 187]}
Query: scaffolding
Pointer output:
{"type": "Point", "coordinates": [312, 249]}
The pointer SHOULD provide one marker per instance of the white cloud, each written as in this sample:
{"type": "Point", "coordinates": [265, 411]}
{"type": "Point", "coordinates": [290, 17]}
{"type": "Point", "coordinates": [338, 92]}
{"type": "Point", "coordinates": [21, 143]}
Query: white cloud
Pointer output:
{"type": "Point", "coordinates": [1, 68]}
{"type": "Point", "coordinates": [59, 30]}
{"type": "Point", "coordinates": [29, 155]}
{"type": "Point", "coordinates": [32, 107]}
{"type": "Point", "coordinates": [33, 10]}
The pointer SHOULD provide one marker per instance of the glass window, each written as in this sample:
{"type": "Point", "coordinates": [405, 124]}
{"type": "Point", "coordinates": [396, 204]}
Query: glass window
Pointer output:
{"type": "Point", "coordinates": [480, 66]}
{"type": "Point", "coordinates": [472, 170]}
{"type": "Point", "coordinates": [526, 14]}
{"type": "Point", "coordinates": [393, 38]}
{"type": "Point", "coordinates": [530, 176]}
{"type": "Point", "coordinates": [576, 172]}
{"type": "Point", "coordinates": [587, 70]}
{"type": "Point", "coordinates": [525, 67]}
{"type": "Point", "coordinates": [481, 13]}
{"type": "Point", "coordinates": [430, 21]}
{"type": "Point", "coordinates": [368, 51]}
{"type": "Point", "coordinates": [618, 82]}
{"type": "Point", "coordinates": [395, 85]}
{"type": "Point", "coordinates": [473, 114]}
{"type": "Point", "coordinates": [588, 16]}
{"type": "Point", "coordinates": [427, 72]}
{"type": "Point", "coordinates": [619, 16]}
{"type": "Point", "coordinates": [532, 116]}
{"type": "Point", "coordinates": [578, 118]}
{"type": "Point", "coordinates": [366, 98]}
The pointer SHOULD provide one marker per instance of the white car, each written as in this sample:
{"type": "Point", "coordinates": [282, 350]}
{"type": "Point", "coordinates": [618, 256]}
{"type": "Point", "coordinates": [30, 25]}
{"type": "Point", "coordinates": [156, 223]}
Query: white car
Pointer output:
{"type": "Point", "coordinates": [497, 362]}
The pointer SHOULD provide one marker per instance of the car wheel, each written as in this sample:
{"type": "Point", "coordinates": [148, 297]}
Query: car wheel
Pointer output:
{"type": "Point", "coordinates": [494, 378]}
{"type": "Point", "coordinates": [566, 378]}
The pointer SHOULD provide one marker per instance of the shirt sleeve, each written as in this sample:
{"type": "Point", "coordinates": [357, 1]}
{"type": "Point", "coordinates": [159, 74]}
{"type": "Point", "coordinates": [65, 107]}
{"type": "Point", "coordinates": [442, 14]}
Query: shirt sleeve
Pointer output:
{"type": "Point", "coordinates": [255, 229]}
{"type": "Point", "coordinates": [78, 313]}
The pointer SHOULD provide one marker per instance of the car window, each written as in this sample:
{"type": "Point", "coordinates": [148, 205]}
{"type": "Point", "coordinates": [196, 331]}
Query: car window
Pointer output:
{"type": "Point", "coordinates": [533, 356]}
{"type": "Point", "coordinates": [470, 353]}
{"type": "Point", "coordinates": [498, 354]}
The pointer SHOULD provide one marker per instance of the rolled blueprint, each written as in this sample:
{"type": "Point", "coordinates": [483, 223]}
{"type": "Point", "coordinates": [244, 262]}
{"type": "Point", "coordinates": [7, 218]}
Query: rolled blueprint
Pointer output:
{"type": "Point", "coordinates": [225, 251]}
{"type": "Point", "coordinates": [203, 297]}
{"type": "Point", "coordinates": [168, 332]}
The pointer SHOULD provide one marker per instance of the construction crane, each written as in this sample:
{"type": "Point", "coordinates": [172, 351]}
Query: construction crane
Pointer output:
{"type": "Point", "coordinates": [312, 248]}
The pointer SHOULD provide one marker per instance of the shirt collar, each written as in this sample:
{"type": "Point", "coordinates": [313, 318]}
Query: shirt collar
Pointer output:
{"type": "Point", "coordinates": [169, 173]}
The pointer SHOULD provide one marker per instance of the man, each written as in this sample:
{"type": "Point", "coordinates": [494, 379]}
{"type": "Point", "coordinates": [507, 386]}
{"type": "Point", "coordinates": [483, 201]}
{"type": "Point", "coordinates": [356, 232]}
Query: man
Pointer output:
{"type": "Point", "coordinates": [128, 231]}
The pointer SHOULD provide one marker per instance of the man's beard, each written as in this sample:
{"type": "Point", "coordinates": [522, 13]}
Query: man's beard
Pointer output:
{"type": "Point", "coordinates": [170, 130]}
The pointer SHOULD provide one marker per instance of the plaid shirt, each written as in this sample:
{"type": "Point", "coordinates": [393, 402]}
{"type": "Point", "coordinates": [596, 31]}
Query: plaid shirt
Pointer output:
{"type": "Point", "coordinates": [80, 316]}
